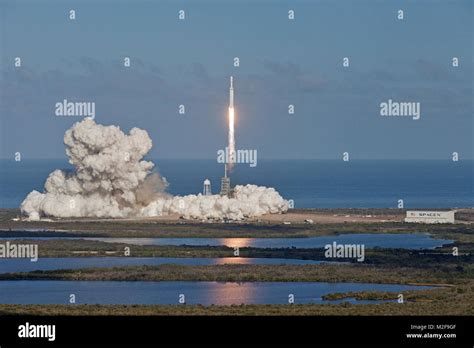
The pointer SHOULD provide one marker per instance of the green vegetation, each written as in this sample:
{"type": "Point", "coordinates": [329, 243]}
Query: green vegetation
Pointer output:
{"type": "Point", "coordinates": [408, 296]}
{"type": "Point", "coordinates": [240, 273]}
{"type": "Point", "coordinates": [88, 248]}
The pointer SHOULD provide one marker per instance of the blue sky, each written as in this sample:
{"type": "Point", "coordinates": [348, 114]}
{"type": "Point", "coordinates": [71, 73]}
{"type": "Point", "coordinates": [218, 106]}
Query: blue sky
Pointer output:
{"type": "Point", "coordinates": [281, 62]}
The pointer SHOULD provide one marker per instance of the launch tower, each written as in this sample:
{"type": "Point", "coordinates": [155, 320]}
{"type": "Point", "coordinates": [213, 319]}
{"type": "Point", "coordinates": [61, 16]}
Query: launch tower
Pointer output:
{"type": "Point", "coordinates": [225, 184]}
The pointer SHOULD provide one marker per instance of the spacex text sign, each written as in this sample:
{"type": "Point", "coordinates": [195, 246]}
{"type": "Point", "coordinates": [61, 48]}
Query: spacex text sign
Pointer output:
{"type": "Point", "coordinates": [433, 217]}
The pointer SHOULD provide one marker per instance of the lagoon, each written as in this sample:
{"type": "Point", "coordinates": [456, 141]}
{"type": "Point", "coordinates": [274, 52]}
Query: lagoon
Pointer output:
{"type": "Point", "coordinates": [56, 263]}
{"type": "Point", "coordinates": [195, 292]}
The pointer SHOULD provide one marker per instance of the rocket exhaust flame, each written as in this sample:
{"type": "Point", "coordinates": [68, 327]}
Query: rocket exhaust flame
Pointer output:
{"type": "Point", "coordinates": [231, 139]}
{"type": "Point", "coordinates": [231, 144]}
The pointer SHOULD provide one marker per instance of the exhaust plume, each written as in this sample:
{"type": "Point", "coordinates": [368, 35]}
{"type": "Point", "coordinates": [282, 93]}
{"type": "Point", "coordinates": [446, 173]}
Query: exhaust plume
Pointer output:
{"type": "Point", "coordinates": [111, 180]}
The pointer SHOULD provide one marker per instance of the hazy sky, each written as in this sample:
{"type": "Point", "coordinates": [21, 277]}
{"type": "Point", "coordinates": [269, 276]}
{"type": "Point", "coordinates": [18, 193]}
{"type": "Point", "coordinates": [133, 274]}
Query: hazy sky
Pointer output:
{"type": "Point", "coordinates": [282, 62]}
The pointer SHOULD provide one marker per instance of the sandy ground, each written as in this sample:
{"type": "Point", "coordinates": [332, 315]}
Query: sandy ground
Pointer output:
{"type": "Point", "coordinates": [297, 216]}
{"type": "Point", "coordinates": [291, 217]}
{"type": "Point", "coordinates": [328, 218]}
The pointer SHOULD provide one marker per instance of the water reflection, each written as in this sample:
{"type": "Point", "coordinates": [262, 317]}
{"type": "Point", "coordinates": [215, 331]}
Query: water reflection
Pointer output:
{"type": "Point", "coordinates": [239, 261]}
{"type": "Point", "coordinates": [236, 242]}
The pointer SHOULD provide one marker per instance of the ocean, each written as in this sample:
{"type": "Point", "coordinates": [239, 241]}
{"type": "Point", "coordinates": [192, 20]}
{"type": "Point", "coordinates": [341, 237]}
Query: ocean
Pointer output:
{"type": "Point", "coordinates": [309, 183]}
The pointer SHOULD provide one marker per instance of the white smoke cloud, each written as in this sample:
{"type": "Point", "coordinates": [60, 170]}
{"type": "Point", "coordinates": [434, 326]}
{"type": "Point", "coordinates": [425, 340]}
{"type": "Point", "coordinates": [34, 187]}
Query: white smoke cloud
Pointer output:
{"type": "Point", "coordinates": [112, 180]}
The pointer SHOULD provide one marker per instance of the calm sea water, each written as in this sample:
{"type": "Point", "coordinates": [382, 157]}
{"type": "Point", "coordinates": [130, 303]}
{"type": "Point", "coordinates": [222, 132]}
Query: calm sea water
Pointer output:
{"type": "Point", "coordinates": [205, 293]}
{"type": "Point", "coordinates": [310, 183]}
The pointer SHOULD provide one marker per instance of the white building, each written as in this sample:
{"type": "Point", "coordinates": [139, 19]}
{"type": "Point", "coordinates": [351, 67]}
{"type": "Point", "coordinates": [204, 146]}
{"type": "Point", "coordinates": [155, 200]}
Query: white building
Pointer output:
{"type": "Point", "coordinates": [206, 191]}
{"type": "Point", "coordinates": [430, 217]}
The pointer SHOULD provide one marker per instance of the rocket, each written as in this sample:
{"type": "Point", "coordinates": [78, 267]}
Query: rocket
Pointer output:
{"type": "Point", "coordinates": [231, 125]}
{"type": "Point", "coordinates": [231, 93]}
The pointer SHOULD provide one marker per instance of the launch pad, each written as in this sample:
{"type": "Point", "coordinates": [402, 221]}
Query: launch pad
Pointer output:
{"type": "Point", "coordinates": [226, 188]}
